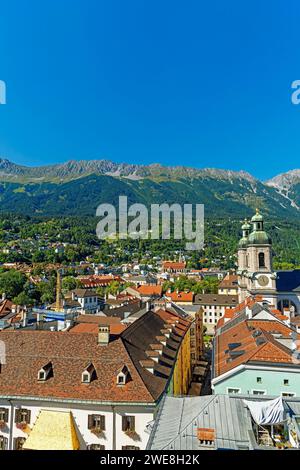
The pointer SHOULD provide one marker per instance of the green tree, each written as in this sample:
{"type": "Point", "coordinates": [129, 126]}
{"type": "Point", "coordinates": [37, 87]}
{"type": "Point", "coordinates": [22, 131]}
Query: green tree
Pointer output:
{"type": "Point", "coordinates": [47, 291]}
{"type": "Point", "coordinates": [12, 283]}
{"type": "Point", "coordinates": [113, 288]}
{"type": "Point", "coordinates": [69, 283]}
{"type": "Point", "coordinates": [23, 299]}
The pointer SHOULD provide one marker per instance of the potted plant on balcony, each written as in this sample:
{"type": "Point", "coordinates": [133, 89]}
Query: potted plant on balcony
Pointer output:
{"type": "Point", "coordinates": [132, 434]}
{"type": "Point", "coordinates": [22, 425]}
{"type": "Point", "coordinates": [97, 430]}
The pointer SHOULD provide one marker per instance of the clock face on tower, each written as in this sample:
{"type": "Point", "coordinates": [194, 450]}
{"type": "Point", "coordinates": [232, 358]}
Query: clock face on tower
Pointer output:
{"type": "Point", "coordinates": [263, 281]}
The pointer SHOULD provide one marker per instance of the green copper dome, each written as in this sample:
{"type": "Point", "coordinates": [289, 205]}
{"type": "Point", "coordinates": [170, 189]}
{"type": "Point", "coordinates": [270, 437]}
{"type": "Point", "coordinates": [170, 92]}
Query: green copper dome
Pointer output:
{"type": "Point", "coordinates": [243, 243]}
{"type": "Point", "coordinates": [259, 238]}
{"type": "Point", "coordinates": [246, 226]}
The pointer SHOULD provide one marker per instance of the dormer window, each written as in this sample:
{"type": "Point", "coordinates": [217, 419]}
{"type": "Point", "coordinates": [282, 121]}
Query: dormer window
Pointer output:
{"type": "Point", "coordinates": [123, 376]}
{"type": "Point", "coordinates": [42, 375]}
{"type": "Point", "coordinates": [121, 379]}
{"type": "Point", "coordinates": [86, 378]}
{"type": "Point", "coordinates": [45, 372]}
{"type": "Point", "coordinates": [88, 374]}
{"type": "Point", "coordinates": [206, 436]}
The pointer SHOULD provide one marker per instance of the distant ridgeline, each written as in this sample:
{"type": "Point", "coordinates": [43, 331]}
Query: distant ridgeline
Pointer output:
{"type": "Point", "coordinates": [78, 187]}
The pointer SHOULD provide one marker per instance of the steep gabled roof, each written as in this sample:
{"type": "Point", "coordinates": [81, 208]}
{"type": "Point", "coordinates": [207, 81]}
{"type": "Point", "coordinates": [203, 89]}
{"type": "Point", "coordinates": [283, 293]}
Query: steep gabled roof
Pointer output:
{"type": "Point", "coordinates": [141, 339]}
{"type": "Point", "coordinates": [251, 341]}
{"type": "Point", "coordinates": [28, 351]}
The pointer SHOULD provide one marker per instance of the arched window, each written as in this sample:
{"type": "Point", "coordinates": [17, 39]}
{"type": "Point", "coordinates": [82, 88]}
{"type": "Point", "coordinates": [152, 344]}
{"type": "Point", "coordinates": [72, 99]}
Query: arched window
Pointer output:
{"type": "Point", "coordinates": [261, 260]}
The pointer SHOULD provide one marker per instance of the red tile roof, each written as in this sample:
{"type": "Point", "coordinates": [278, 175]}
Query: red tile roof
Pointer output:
{"type": "Point", "coordinates": [98, 281]}
{"type": "Point", "coordinates": [115, 329]}
{"type": "Point", "coordinates": [174, 265]}
{"type": "Point", "coordinates": [69, 353]}
{"type": "Point", "coordinates": [149, 289]}
{"type": "Point", "coordinates": [229, 281]}
{"type": "Point", "coordinates": [180, 296]}
{"type": "Point", "coordinates": [266, 350]}
{"type": "Point", "coordinates": [172, 318]}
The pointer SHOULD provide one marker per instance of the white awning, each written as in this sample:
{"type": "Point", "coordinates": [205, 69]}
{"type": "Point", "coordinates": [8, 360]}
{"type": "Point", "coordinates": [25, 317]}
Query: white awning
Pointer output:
{"type": "Point", "coordinates": [266, 412]}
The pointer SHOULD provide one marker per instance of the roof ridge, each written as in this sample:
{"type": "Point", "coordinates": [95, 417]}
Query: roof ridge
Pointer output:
{"type": "Point", "coordinates": [276, 343]}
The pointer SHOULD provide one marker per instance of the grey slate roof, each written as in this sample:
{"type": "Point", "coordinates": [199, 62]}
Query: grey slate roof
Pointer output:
{"type": "Point", "coordinates": [180, 417]}
{"type": "Point", "coordinates": [216, 299]}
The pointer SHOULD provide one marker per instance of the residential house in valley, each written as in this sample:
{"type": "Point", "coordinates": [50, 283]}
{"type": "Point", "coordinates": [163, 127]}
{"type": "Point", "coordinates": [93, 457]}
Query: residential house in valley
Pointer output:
{"type": "Point", "coordinates": [229, 285]}
{"type": "Point", "coordinates": [214, 307]}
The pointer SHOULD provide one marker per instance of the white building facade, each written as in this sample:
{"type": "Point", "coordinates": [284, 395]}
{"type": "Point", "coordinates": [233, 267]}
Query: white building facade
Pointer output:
{"type": "Point", "coordinates": [99, 426]}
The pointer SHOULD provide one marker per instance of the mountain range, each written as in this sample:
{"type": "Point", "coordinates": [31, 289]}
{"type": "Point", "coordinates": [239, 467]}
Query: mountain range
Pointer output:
{"type": "Point", "coordinates": [78, 187]}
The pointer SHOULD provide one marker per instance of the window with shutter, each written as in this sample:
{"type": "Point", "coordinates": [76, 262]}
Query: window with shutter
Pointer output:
{"type": "Point", "coordinates": [90, 421]}
{"type": "Point", "coordinates": [3, 415]}
{"type": "Point", "coordinates": [17, 416]}
{"type": "Point", "coordinates": [96, 422]}
{"type": "Point", "coordinates": [130, 448]}
{"type": "Point", "coordinates": [18, 443]}
{"type": "Point", "coordinates": [96, 447]}
{"type": "Point", "coordinates": [102, 423]}
{"type": "Point", "coordinates": [22, 415]}
{"type": "Point", "coordinates": [128, 423]}
{"type": "Point", "coordinates": [3, 443]}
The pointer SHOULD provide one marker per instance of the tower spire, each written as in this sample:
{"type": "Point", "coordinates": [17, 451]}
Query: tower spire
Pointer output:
{"type": "Point", "coordinates": [58, 303]}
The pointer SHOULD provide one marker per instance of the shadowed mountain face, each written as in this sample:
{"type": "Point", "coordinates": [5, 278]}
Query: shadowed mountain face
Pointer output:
{"type": "Point", "coordinates": [78, 187]}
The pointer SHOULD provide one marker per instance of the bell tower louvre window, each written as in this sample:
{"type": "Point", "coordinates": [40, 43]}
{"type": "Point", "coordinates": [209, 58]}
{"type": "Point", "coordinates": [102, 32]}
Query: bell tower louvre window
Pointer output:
{"type": "Point", "coordinates": [261, 260]}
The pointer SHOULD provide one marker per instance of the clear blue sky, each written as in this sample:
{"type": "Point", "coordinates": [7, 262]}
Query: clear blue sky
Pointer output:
{"type": "Point", "coordinates": [198, 83]}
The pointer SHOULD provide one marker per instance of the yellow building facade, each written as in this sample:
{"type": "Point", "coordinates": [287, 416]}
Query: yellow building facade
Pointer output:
{"type": "Point", "coordinates": [183, 367]}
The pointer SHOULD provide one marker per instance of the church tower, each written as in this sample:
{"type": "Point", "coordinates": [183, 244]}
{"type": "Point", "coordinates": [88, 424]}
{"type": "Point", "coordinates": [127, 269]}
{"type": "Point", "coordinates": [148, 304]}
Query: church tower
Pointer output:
{"type": "Point", "coordinates": [256, 276]}
{"type": "Point", "coordinates": [242, 247]}
{"type": "Point", "coordinates": [243, 261]}
{"type": "Point", "coordinates": [259, 246]}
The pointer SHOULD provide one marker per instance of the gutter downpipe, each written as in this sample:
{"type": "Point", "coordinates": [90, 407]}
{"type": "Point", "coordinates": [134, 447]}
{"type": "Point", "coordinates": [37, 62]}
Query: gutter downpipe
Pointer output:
{"type": "Point", "coordinates": [10, 442]}
{"type": "Point", "coordinates": [114, 427]}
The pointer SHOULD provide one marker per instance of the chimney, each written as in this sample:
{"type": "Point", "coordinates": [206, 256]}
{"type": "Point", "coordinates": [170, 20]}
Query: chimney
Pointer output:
{"type": "Point", "coordinates": [3, 296]}
{"type": "Point", "coordinates": [103, 335]}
